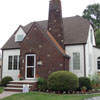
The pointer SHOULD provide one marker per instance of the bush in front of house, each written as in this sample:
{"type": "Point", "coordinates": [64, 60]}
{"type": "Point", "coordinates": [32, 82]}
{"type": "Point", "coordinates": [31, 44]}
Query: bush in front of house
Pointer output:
{"type": "Point", "coordinates": [6, 80]}
{"type": "Point", "coordinates": [42, 84]}
{"type": "Point", "coordinates": [84, 82]}
{"type": "Point", "coordinates": [62, 81]}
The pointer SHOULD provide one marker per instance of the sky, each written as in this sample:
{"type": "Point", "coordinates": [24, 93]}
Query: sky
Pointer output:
{"type": "Point", "coordinates": [21, 12]}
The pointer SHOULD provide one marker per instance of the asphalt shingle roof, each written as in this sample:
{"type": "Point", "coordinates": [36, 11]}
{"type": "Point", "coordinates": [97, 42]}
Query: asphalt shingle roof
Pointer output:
{"type": "Point", "coordinates": [75, 31]}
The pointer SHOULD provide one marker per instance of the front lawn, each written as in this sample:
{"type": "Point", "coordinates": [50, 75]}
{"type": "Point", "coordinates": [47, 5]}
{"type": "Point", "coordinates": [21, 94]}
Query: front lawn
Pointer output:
{"type": "Point", "coordinates": [1, 89]}
{"type": "Point", "coordinates": [46, 96]}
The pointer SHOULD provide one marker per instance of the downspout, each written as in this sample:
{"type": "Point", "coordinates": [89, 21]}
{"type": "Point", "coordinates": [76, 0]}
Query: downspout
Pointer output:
{"type": "Point", "coordinates": [84, 60]}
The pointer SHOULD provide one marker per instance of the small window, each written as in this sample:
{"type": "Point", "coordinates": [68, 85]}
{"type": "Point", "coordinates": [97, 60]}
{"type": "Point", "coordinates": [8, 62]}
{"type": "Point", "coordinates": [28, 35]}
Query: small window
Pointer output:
{"type": "Point", "coordinates": [30, 60]}
{"type": "Point", "coordinates": [91, 36]}
{"type": "Point", "coordinates": [98, 63]}
{"type": "Point", "coordinates": [15, 62]}
{"type": "Point", "coordinates": [76, 61]}
{"type": "Point", "coordinates": [20, 37]}
{"type": "Point", "coordinates": [10, 63]}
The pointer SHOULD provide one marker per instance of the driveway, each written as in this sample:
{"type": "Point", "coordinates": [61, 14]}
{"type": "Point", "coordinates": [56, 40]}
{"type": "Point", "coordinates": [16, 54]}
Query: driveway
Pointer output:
{"type": "Point", "coordinates": [94, 98]}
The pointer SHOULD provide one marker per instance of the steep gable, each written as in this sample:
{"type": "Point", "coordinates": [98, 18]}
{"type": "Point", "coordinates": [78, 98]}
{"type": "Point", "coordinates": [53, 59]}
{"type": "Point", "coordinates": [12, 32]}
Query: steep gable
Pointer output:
{"type": "Point", "coordinates": [40, 43]}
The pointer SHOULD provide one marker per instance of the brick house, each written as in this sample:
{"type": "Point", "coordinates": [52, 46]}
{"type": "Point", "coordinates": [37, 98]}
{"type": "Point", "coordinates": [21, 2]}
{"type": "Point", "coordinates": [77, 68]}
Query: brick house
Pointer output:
{"type": "Point", "coordinates": [43, 47]}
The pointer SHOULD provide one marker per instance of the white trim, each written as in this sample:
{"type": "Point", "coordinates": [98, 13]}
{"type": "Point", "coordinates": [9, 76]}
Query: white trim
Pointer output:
{"type": "Point", "coordinates": [30, 66]}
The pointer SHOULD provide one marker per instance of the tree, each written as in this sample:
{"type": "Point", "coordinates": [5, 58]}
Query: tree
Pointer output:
{"type": "Point", "coordinates": [98, 38]}
{"type": "Point", "coordinates": [92, 13]}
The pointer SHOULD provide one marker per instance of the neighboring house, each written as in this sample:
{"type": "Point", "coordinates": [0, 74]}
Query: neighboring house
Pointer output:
{"type": "Point", "coordinates": [43, 47]}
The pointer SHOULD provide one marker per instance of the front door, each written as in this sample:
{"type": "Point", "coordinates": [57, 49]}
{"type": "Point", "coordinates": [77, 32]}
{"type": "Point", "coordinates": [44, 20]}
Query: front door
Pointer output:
{"type": "Point", "coordinates": [30, 66]}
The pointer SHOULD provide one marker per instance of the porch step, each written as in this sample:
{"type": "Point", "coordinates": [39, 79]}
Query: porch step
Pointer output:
{"type": "Point", "coordinates": [14, 89]}
{"type": "Point", "coordinates": [17, 86]}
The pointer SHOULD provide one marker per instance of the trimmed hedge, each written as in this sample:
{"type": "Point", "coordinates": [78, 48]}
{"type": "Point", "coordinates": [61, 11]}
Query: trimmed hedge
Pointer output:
{"type": "Point", "coordinates": [84, 81]}
{"type": "Point", "coordinates": [6, 80]}
{"type": "Point", "coordinates": [62, 81]}
{"type": "Point", "coordinates": [42, 84]}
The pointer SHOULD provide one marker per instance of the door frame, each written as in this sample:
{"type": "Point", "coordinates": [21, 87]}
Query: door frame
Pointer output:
{"type": "Point", "coordinates": [30, 66]}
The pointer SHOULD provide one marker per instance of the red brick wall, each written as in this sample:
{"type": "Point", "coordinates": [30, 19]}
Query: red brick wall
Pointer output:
{"type": "Point", "coordinates": [48, 54]}
{"type": "Point", "coordinates": [55, 23]}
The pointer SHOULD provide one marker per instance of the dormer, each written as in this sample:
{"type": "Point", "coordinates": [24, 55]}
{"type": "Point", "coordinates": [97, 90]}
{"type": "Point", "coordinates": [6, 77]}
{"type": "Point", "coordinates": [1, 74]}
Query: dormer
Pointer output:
{"type": "Point", "coordinates": [20, 34]}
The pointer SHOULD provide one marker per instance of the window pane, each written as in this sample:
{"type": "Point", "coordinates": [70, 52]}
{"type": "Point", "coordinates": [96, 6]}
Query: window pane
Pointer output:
{"type": "Point", "coordinates": [98, 64]}
{"type": "Point", "coordinates": [15, 62]}
{"type": "Point", "coordinates": [19, 62]}
{"type": "Point", "coordinates": [30, 72]}
{"type": "Point", "coordinates": [20, 37]}
{"type": "Point", "coordinates": [30, 60]}
{"type": "Point", "coordinates": [91, 36]}
{"type": "Point", "coordinates": [10, 63]}
{"type": "Point", "coordinates": [76, 61]}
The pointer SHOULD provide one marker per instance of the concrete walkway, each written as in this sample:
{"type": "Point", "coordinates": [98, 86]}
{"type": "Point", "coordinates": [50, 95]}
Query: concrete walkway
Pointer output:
{"type": "Point", "coordinates": [6, 94]}
{"type": "Point", "coordinates": [93, 98]}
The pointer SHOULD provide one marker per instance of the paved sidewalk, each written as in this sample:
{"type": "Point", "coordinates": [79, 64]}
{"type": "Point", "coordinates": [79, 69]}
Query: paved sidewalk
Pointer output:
{"type": "Point", "coordinates": [93, 98]}
{"type": "Point", "coordinates": [6, 94]}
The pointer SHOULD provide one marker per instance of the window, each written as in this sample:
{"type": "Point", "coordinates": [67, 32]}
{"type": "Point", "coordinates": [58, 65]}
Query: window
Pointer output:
{"type": "Point", "coordinates": [20, 37]}
{"type": "Point", "coordinates": [76, 61]}
{"type": "Point", "coordinates": [30, 60]}
{"type": "Point", "coordinates": [91, 36]}
{"type": "Point", "coordinates": [10, 63]}
{"type": "Point", "coordinates": [13, 62]}
{"type": "Point", "coordinates": [98, 63]}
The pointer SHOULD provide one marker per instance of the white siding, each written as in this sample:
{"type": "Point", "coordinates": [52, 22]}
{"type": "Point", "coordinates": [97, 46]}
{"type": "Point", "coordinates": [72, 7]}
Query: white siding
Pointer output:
{"type": "Point", "coordinates": [90, 53]}
{"type": "Point", "coordinates": [96, 55]}
{"type": "Point", "coordinates": [72, 49]}
{"type": "Point", "coordinates": [90, 60]}
{"type": "Point", "coordinates": [5, 71]}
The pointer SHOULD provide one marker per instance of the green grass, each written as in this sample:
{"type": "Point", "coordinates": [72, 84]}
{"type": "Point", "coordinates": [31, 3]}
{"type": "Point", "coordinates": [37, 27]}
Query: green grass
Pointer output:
{"type": "Point", "coordinates": [46, 96]}
{"type": "Point", "coordinates": [1, 89]}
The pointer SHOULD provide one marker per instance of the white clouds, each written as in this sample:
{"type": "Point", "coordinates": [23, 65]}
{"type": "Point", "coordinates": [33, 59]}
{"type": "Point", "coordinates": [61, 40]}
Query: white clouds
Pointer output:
{"type": "Point", "coordinates": [16, 12]}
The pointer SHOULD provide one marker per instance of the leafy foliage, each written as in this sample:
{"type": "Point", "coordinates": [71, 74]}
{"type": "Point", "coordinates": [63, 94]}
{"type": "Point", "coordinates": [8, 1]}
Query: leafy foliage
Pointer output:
{"type": "Point", "coordinates": [42, 84]}
{"type": "Point", "coordinates": [95, 81]}
{"type": "Point", "coordinates": [6, 80]}
{"type": "Point", "coordinates": [92, 13]}
{"type": "Point", "coordinates": [85, 82]}
{"type": "Point", "coordinates": [98, 38]}
{"type": "Point", "coordinates": [62, 81]}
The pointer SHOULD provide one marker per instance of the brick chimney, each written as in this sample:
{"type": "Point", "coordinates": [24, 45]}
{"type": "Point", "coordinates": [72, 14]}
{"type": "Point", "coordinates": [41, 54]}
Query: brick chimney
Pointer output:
{"type": "Point", "coordinates": [55, 23]}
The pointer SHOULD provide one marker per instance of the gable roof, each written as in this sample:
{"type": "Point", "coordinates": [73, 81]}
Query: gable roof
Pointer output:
{"type": "Point", "coordinates": [75, 31]}
{"type": "Point", "coordinates": [51, 39]}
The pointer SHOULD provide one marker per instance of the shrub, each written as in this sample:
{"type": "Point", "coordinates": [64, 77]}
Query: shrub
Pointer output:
{"type": "Point", "coordinates": [84, 82]}
{"type": "Point", "coordinates": [95, 81]}
{"type": "Point", "coordinates": [42, 84]}
{"type": "Point", "coordinates": [6, 80]}
{"type": "Point", "coordinates": [62, 81]}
